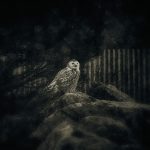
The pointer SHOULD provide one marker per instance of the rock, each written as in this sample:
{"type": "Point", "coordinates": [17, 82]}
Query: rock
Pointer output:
{"type": "Point", "coordinates": [107, 127]}
{"type": "Point", "coordinates": [79, 122]}
{"type": "Point", "coordinates": [110, 92]}
{"type": "Point", "coordinates": [68, 136]}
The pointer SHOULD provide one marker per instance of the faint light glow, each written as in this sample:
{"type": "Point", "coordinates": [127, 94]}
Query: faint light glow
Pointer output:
{"type": "Point", "coordinates": [19, 70]}
{"type": "Point", "coordinates": [3, 59]}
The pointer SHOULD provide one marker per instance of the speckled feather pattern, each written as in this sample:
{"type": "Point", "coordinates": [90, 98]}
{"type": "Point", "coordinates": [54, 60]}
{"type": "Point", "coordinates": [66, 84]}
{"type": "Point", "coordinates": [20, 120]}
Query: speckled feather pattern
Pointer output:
{"type": "Point", "coordinates": [66, 80]}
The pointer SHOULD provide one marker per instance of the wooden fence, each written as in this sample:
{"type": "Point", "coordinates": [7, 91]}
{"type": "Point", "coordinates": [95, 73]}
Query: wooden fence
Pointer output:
{"type": "Point", "coordinates": [127, 69]}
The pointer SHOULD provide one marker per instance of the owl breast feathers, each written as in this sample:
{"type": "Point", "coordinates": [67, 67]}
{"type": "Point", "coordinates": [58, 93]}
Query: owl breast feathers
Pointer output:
{"type": "Point", "coordinates": [66, 80]}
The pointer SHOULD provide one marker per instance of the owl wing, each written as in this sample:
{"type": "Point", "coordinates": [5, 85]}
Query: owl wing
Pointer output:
{"type": "Point", "coordinates": [60, 74]}
{"type": "Point", "coordinates": [62, 79]}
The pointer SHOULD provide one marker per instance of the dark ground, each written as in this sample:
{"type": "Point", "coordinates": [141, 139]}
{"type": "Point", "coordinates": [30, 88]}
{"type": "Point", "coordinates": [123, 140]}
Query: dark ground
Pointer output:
{"type": "Point", "coordinates": [77, 122]}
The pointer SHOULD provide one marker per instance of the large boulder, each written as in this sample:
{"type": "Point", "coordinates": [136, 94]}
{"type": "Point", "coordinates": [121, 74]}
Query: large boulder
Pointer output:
{"type": "Point", "coordinates": [77, 121]}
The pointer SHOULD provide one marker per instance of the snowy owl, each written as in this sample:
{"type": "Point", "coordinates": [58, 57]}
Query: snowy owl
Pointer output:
{"type": "Point", "coordinates": [66, 79]}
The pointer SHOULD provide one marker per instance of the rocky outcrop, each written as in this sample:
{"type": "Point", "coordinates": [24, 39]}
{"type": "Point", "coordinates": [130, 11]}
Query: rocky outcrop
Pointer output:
{"type": "Point", "coordinates": [80, 122]}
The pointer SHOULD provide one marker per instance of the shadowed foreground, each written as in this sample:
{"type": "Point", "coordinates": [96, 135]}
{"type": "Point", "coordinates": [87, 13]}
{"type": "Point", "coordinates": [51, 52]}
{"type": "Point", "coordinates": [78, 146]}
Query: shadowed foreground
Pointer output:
{"type": "Point", "coordinates": [79, 122]}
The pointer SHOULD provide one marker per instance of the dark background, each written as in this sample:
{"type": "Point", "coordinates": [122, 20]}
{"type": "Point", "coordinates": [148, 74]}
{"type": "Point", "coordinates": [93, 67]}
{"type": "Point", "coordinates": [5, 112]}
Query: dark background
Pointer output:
{"type": "Point", "coordinates": [127, 21]}
{"type": "Point", "coordinates": [57, 31]}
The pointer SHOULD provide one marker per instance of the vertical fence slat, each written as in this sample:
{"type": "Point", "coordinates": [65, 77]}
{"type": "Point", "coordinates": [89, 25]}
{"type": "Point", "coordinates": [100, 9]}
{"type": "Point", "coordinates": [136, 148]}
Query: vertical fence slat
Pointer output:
{"type": "Point", "coordinates": [147, 74]}
{"type": "Point", "coordinates": [139, 72]}
{"type": "Point", "coordinates": [119, 69]}
{"type": "Point", "coordinates": [94, 65]}
{"type": "Point", "coordinates": [85, 73]}
{"type": "Point", "coordinates": [114, 66]}
{"type": "Point", "coordinates": [122, 73]}
{"type": "Point", "coordinates": [111, 66]}
{"type": "Point", "coordinates": [109, 72]}
{"type": "Point", "coordinates": [144, 74]}
{"type": "Point", "coordinates": [131, 73]}
{"type": "Point", "coordinates": [92, 71]}
{"type": "Point", "coordinates": [128, 66]}
{"type": "Point", "coordinates": [99, 68]}
{"type": "Point", "coordinates": [96, 69]}
{"type": "Point", "coordinates": [124, 70]}
{"type": "Point", "coordinates": [89, 73]}
{"type": "Point", "coordinates": [104, 67]}
{"type": "Point", "coordinates": [136, 74]}
{"type": "Point", "coordinates": [134, 81]}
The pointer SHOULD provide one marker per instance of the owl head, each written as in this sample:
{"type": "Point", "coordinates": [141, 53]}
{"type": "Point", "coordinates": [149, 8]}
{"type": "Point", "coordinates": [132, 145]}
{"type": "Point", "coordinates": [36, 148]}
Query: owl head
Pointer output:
{"type": "Point", "coordinates": [74, 64]}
